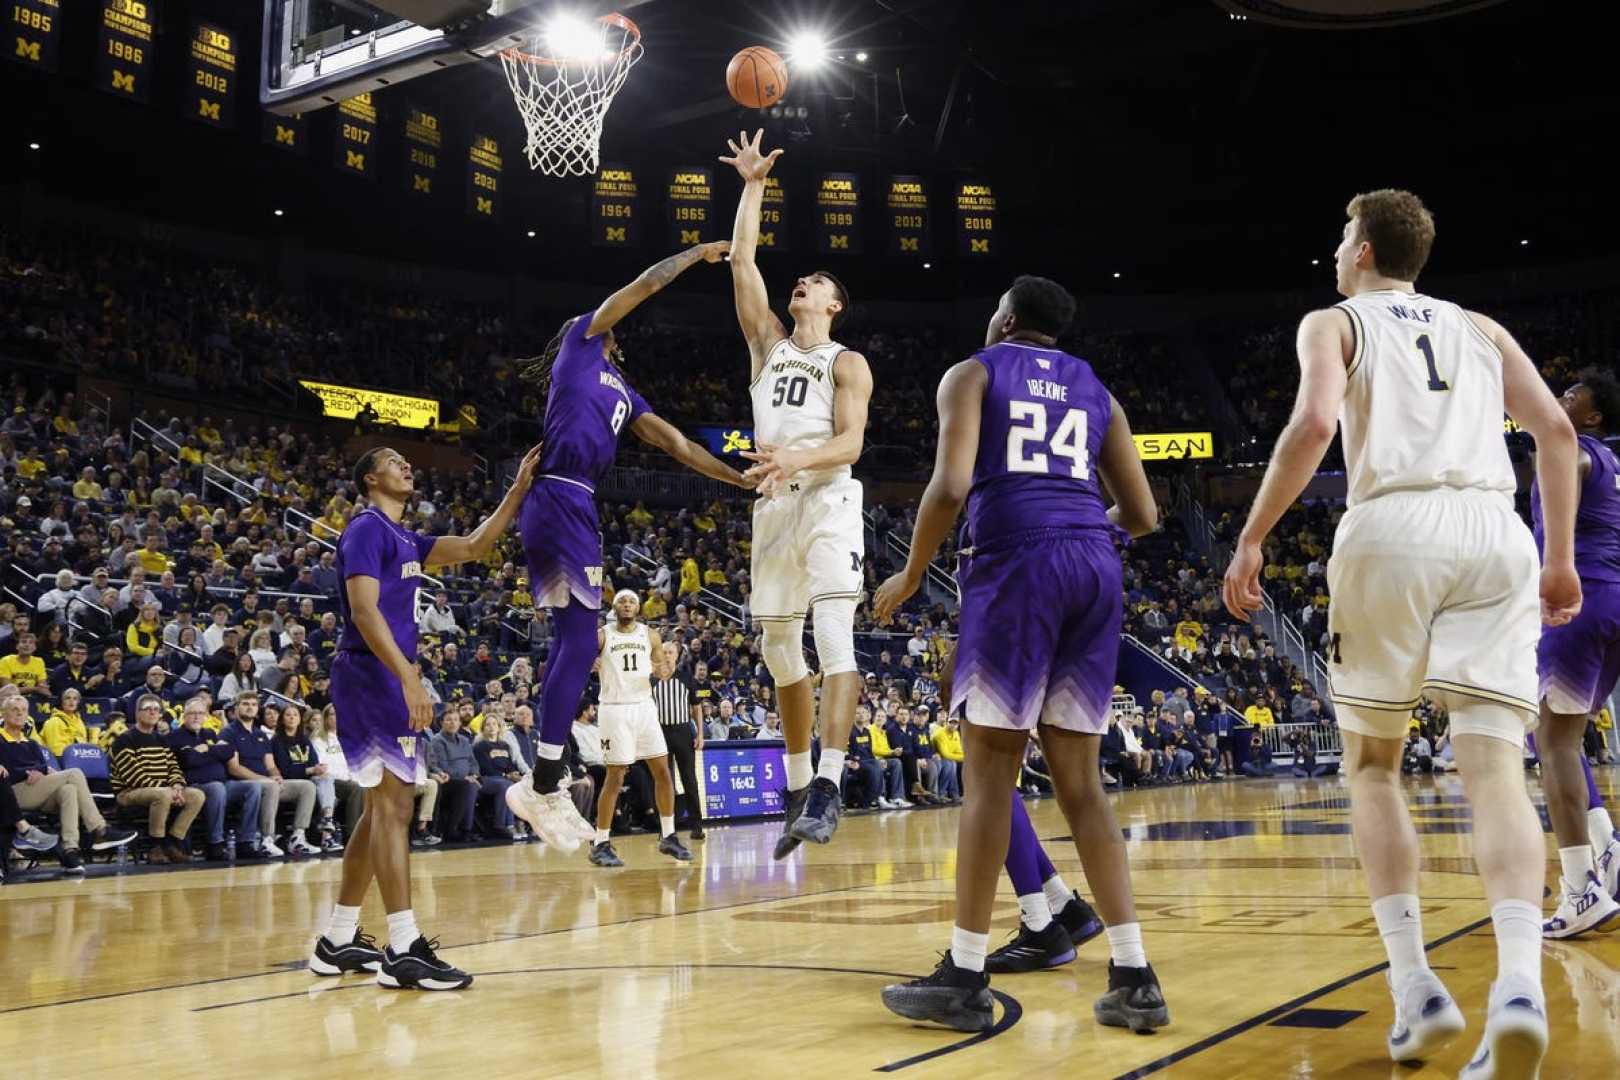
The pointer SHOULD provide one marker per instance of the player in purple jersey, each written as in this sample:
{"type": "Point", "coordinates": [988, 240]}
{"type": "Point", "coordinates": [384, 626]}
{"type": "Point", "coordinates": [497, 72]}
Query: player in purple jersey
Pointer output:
{"type": "Point", "coordinates": [1579, 664]}
{"type": "Point", "coordinates": [589, 404]}
{"type": "Point", "coordinates": [1025, 433]}
{"type": "Point", "coordinates": [382, 706]}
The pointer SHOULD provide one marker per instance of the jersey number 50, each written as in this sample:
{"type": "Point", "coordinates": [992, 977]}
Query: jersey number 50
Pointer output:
{"type": "Point", "coordinates": [1068, 441]}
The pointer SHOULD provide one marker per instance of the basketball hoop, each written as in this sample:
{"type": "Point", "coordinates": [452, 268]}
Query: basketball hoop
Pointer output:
{"type": "Point", "coordinates": [564, 79]}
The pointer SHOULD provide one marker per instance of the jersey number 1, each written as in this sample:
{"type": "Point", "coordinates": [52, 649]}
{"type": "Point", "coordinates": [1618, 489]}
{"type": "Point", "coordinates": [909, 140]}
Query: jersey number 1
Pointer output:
{"type": "Point", "coordinates": [1426, 347]}
{"type": "Point", "coordinates": [1028, 421]}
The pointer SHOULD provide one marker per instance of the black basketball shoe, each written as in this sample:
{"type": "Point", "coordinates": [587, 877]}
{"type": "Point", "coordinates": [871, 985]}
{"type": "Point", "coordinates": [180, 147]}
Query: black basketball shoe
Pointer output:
{"type": "Point", "coordinates": [950, 996]}
{"type": "Point", "coordinates": [820, 818]}
{"type": "Point", "coordinates": [1031, 950]}
{"type": "Point", "coordinates": [418, 968]}
{"type": "Point", "coordinates": [1080, 920]}
{"type": "Point", "coordinates": [671, 845]}
{"type": "Point", "coordinates": [794, 804]}
{"type": "Point", "coordinates": [361, 954]}
{"type": "Point", "coordinates": [1133, 1001]}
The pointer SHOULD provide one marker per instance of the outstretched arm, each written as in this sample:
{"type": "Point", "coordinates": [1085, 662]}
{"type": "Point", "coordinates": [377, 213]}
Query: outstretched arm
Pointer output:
{"type": "Point", "coordinates": [852, 395]}
{"type": "Point", "coordinates": [649, 281]}
{"type": "Point", "coordinates": [759, 325]}
{"type": "Point", "coordinates": [1120, 466]}
{"type": "Point", "coordinates": [655, 431]}
{"type": "Point", "coordinates": [450, 550]}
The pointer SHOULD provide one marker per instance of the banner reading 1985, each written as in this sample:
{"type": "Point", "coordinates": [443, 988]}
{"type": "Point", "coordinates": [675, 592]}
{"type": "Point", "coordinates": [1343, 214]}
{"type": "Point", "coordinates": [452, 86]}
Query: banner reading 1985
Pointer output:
{"type": "Point", "coordinates": [975, 218]}
{"type": "Point", "coordinates": [423, 143]}
{"type": "Point", "coordinates": [354, 147]}
{"type": "Point", "coordinates": [613, 207]}
{"type": "Point", "coordinates": [210, 89]}
{"type": "Point", "coordinates": [907, 213]}
{"type": "Point", "coordinates": [484, 178]}
{"type": "Point", "coordinates": [691, 206]}
{"type": "Point", "coordinates": [838, 213]}
{"type": "Point", "coordinates": [125, 48]}
{"type": "Point", "coordinates": [36, 27]}
{"type": "Point", "coordinates": [773, 225]}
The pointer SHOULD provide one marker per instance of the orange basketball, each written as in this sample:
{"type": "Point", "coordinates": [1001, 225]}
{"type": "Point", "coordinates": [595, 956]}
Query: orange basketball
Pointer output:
{"type": "Point", "coordinates": [757, 77]}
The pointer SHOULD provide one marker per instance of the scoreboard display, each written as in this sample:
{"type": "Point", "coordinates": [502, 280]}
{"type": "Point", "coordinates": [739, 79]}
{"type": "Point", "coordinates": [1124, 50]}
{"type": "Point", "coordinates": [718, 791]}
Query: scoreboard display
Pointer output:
{"type": "Point", "coordinates": [354, 146]}
{"type": "Point", "coordinates": [773, 217]}
{"type": "Point", "coordinates": [691, 206]}
{"type": "Point", "coordinates": [838, 214]}
{"type": "Point", "coordinates": [907, 210]}
{"type": "Point", "coordinates": [36, 28]}
{"type": "Point", "coordinates": [613, 207]}
{"type": "Point", "coordinates": [976, 218]}
{"type": "Point", "coordinates": [484, 178]}
{"type": "Point", "coordinates": [742, 779]}
{"type": "Point", "coordinates": [211, 77]}
{"type": "Point", "coordinates": [125, 45]}
{"type": "Point", "coordinates": [423, 143]}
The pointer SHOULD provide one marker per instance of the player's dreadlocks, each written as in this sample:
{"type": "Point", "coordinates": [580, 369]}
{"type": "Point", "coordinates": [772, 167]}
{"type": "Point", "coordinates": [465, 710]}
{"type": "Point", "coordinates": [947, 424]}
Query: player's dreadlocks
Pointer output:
{"type": "Point", "coordinates": [537, 371]}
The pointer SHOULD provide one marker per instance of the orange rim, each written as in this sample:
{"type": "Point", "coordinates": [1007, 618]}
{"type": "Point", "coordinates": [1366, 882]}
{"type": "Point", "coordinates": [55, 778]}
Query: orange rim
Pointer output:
{"type": "Point", "coordinates": [612, 18]}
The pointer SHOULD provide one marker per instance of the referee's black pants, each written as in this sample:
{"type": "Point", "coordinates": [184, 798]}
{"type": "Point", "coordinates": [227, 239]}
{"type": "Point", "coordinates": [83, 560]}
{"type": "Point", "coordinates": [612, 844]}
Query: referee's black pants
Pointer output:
{"type": "Point", "coordinates": [682, 743]}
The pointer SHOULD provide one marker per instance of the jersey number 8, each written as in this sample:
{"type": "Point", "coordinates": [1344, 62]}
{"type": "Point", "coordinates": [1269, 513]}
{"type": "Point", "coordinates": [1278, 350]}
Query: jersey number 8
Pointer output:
{"type": "Point", "coordinates": [621, 409]}
{"type": "Point", "coordinates": [1068, 441]}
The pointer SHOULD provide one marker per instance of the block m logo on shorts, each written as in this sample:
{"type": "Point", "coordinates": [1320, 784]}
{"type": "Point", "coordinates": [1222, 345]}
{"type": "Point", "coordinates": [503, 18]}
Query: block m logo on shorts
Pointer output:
{"type": "Point", "coordinates": [855, 560]}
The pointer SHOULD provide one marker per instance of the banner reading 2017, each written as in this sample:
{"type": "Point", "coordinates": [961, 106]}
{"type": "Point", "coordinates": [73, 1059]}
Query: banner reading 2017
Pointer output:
{"type": "Point", "coordinates": [838, 214]}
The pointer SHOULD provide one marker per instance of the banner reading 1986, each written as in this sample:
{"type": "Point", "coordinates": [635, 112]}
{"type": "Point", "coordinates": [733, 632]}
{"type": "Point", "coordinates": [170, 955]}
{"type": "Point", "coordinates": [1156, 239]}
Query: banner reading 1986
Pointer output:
{"type": "Point", "coordinates": [975, 218]}
{"type": "Point", "coordinates": [613, 207]}
{"type": "Point", "coordinates": [423, 143]}
{"type": "Point", "coordinates": [209, 95]}
{"type": "Point", "coordinates": [773, 234]}
{"type": "Point", "coordinates": [691, 206]}
{"type": "Point", "coordinates": [355, 145]}
{"type": "Point", "coordinates": [838, 213]}
{"type": "Point", "coordinates": [907, 212]}
{"type": "Point", "coordinates": [125, 48]}
{"type": "Point", "coordinates": [36, 27]}
{"type": "Point", "coordinates": [484, 178]}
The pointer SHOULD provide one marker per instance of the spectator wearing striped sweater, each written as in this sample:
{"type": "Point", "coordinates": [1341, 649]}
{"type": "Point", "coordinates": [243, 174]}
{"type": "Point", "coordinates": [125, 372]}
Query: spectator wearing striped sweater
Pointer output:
{"type": "Point", "coordinates": [146, 773]}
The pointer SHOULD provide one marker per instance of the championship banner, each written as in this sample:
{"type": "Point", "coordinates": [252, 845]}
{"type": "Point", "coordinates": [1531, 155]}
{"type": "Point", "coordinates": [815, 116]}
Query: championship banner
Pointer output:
{"type": "Point", "coordinates": [209, 96]}
{"type": "Point", "coordinates": [773, 216]}
{"type": "Point", "coordinates": [613, 207]}
{"type": "Point", "coordinates": [423, 142]}
{"type": "Point", "coordinates": [355, 144]}
{"type": "Point", "coordinates": [1175, 447]}
{"type": "Point", "coordinates": [975, 218]}
{"type": "Point", "coordinates": [125, 47]}
{"type": "Point", "coordinates": [347, 402]}
{"type": "Point", "coordinates": [36, 27]}
{"type": "Point", "coordinates": [284, 132]}
{"type": "Point", "coordinates": [907, 214]}
{"type": "Point", "coordinates": [838, 214]}
{"type": "Point", "coordinates": [691, 206]}
{"type": "Point", "coordinates": [484, 178]}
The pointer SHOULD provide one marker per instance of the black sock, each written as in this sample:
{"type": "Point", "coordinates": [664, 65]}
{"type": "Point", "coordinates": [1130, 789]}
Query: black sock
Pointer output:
{"type": "Point", "coordinates": [548, 773]}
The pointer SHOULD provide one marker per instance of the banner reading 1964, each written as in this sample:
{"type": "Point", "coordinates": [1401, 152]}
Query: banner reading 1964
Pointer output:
{"type": "Point", "coordinates": [907, 212]}
{"type": "Point", "coordinates": [975, 218]}
{"type": "Point", "coordinates": [484, 178]}
{"type": "Point", "coordinates": [423, 144]}
{"type": "Point", "coordinates": [210, 91]}
{"type": "Point", "coordinates": [355, 145]}
{"type": "Point", "coordinates": [35, 28]}
{"type": "Point", "coordinates": [838, 214]}
{"type": "Point", "coordinates": [691, 206]}
{"type": "Point", "coordinates": [613, 207]}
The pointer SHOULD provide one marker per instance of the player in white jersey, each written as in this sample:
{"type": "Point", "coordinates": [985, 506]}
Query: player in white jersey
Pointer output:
{"type": "Point", "coordinates": [629, 654]}
{"type": "Point", "coordinates": [810, 396]}
{"type": "Point", "coordinates": [1434, 585]}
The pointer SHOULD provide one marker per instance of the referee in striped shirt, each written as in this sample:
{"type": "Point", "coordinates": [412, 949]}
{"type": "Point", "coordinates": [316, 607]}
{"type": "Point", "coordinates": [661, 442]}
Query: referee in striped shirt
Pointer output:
{"type": "Point", "coordinates": [673, 697]}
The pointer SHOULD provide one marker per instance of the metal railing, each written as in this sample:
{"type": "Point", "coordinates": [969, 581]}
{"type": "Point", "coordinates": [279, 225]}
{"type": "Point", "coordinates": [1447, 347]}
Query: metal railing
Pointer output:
{"type": "Point", "coordinates": [161, 442]}
{"type": "Point", "coordinates": [937, 577]}
{"type": "Point", "coordinates": [229, 483]}
{"type": "Point", "coordinates": [98, 402]}
{"type": "Point", "coordinates": [304, 524]}
{"type": "Point", "coordinates": [719, 605]}
{"type": "Point", "coordinates": [623, 484]}
{"type": "Point", "coordinates": [1324, 737]}
{"type": "Point", "coordinates": [1181, 676]}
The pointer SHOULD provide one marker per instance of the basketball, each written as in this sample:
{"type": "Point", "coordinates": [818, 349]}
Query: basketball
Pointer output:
{"type": "Point", "coordinates": [757, 77]}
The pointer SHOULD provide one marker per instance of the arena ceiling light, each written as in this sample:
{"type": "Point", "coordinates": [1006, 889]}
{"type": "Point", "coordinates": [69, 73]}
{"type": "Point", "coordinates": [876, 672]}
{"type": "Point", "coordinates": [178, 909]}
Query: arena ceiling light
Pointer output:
{"type": "Point", "coordinates": [861, 56]}
{"type": "Point", "coordinates": [571, 36]}
{"type": "Point", "coordinates": [808, 49]}
{"type": "Point", "coordinates": [33, 146]}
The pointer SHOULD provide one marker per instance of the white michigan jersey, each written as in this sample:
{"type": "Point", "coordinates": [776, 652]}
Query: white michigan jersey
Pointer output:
{"type": "Point", "coordinates": [1424, 405]}
{"type": "Point", "coordinates": [793, 402]}
{"type": "Point", "coordinates": [626, 665]}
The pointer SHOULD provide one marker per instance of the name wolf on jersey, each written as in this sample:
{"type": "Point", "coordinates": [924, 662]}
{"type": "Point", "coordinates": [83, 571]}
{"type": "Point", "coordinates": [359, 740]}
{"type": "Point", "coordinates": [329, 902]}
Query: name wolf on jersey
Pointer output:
{"type": "Point", "coordinates": [1401, 311]}
{"type": "Point", "coordinates": [1045, 388]}
{"type": "Point", "coordinates": [797, 365]}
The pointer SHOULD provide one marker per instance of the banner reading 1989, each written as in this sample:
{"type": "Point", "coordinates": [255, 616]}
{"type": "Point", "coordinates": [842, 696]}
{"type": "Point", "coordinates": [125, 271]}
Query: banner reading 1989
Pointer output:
{"type": "Point", "coordinates": [209, 94]}
{"type": "Point", "coordinates": [423, 142]}
{"type": "Point", "coordinates": [125, 47]}
{"type": "Point", "coordinates": [907, 212]}
{"type": "Point", "coordinates": [773, 226]}
{"type": "Point", "coordinates": [36, 27]}
{"type": "Point", "coordinates": [484, 178]}
{"type": "Point", "coordinates": [691, 206]}
{"type": "Point", "coordinates": [838, 213]}
{"type": "Point", "coordinates": [975, 218]}
{"type": "Point", "coordinates": [355, 145]}
{"type": "Point", "coordinates": [613, 207]}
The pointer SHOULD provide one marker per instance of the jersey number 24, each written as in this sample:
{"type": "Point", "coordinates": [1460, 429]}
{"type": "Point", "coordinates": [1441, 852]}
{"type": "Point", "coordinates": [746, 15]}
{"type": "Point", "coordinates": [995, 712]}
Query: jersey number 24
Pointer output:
{"type": "Point", "coordinates": [1028, 420]}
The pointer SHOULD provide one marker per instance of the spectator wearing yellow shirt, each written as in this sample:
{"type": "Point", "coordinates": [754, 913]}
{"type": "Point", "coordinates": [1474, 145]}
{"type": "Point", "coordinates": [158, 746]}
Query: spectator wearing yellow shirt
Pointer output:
{"type": "Point", "coordinates": [1258, 715]}
{"type": "Point", "coordinates": [655, 606]}
{"type": "Point", "coordinates": [894, 782]}
{"type": "Point", "coordinates": [191, 453]}
{"type": "Point", "coordinates": [714, 576]}
{"type": "Point", "coordinates": [30, 466]}
{"type": "Point", "coordinates": [209, 434]}
{"type": "Point", "coordinates": [65, 425]}
{"type": "Point", "coordinates": [85, 488]}
{"type": "Point", "coordinates": [947, 742]}
{"type": "Point", "coordinates": [65, 726]}
{"type": "Point", "coordinates": [1187, 632]}
{"type": "Point", "coordinates": [639, 516]}
{"type": "Point", "coordinates": [151, 556]}
{"type": "Point", "coordinates": [145, 635]}
{"type": "Point", "coordinates": [23, 669]}
{"type": "Point", "coordinates": [704, 522]}
{"type": "Point", "coordinates": [690, 582]}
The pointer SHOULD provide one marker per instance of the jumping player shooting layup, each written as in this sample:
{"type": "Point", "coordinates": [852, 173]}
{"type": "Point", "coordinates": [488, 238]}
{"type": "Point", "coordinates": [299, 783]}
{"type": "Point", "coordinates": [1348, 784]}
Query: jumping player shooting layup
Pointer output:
{"type": "Point", "coordinates": [632, 654]}
{"type": "Point", "coordinates": [1579, 664]}
{"type": "Point", "coordinates": [810, 396]}
{"type": "Point", "coordinates": [382, 705]}
{"type": "Point", "coordinates": [589, 404]}
{"type": "Point", "coordinates": [1025, 432]}
{"type": "Point", "coordinates": [1434, 582]}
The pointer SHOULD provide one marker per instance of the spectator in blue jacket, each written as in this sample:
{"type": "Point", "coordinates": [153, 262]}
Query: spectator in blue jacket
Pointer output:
{"type": "Point", "coordinates": [206, 761]}
{"type": "Point", "coordinates": [497, 771]}
{"type": "Point", "coordinates": [451, 755]}
{"type": "Point", "coordinates": [862, 764]}
{"type": "Point", "coordinates": [257, 762]}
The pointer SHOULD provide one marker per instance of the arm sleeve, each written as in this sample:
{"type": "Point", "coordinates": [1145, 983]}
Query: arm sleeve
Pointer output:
{"type": "Point", "coordinates": [360, 548]}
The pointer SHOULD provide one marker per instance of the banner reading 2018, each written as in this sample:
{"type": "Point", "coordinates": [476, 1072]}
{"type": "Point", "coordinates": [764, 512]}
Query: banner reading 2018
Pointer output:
{"type": "Point", "coordinates": [975, 218]}
{"type": "Point", "coordinates": [838, 214]}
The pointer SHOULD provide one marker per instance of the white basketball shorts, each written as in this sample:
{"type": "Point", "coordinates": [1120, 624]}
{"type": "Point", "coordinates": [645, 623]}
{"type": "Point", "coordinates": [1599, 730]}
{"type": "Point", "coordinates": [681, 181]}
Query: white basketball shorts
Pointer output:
{"type": "Point", "coordinates": [630, 733]}
{"type": "Point", "coordinates": [808, 545]}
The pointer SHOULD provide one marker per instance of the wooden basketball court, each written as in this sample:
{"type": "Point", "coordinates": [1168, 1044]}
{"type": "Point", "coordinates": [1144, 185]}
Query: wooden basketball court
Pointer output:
{"type": "Point", "coordinates": [738, 966]}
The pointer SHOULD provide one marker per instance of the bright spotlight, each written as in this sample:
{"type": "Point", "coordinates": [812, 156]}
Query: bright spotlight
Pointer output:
{"type": "Point", "coordinates": [531, 234]}
{"type": "Point", "coordinates": [807, 50]}
{"type": "Point", "coordinates": [570, 36]}
{"type": "Point", "coordinates": [861, 56]}
{"type": "Point", "coordinates": [33, 146]}
{"type": "Point", "coordinates": [279, 213]}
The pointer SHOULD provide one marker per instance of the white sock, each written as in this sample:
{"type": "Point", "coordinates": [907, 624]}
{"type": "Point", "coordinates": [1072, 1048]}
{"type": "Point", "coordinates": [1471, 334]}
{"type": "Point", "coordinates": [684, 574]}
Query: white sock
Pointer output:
{"type": "Point", "coordinates": [666, 826]}
{"type": "Point", "coordinates": [1518, 939]}
{"type": "Point", "coordinates": [1577, 863]}
{"type": "Point", "coordinates": [341, 926]}
{"type": "Point", "coordinates": [402, 932]}
{"type": "Point", "coordinates": [1599, 827]}
{"type": "Point", "coordinates": [1400, 923]}
{"type": "Point", "coordinates": [967, 948]}
{"type": "Point", "coordinates": [799, 773]}
{"type": "Point", "coordinates": [832, 766]}
{"type": "Point", "coordinates": [1037, 912]}
{"type": "Point", "coordinates": [603, 835]}
{"type": "Point", "coordinates": [550, 751]}
{"type": "Point", "coordinates": [1125, 945]}
{"type": "Point", "coordinates": [1057, 891]}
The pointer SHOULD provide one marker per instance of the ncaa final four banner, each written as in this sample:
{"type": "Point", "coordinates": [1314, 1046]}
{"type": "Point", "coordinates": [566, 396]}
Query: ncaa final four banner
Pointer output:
{"type": "Point", "coordinates": [125, 48]}
{"type": "Point", "coordinates": [691, 206]}
{"type": "Point", "coordinates": [484, 178]}
{"type": "Point", "coordinates": [210, 90]}
{"type": "Point", "coordinates": [908, 216]}
{"type": "Point", "coordinates": [424, 141]}
{"type": "Point", "coordinates": [354, 146]}
{"type": "Point", "coordinates": [976, 218]}
{"type": "Point", "coordinates": [838, 214]}
{"type": "Point", "coordinates": [36, 28]}
{"type": "Point", "coordinates": [773, 230]}
{"type": "Point", "coordinates": [613, 207]}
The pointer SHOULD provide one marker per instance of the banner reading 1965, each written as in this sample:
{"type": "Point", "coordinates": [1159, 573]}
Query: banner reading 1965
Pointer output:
{"type": "Point", "coordinates": [209, 94]}
{"type": "Point", "coordinates": [907, 213]}
{"type": "Point", "coordinates": [691, 206]}
{"type": "Point", "coordinates": [36, 27]}
{"type": "Point", "coordinates": [838, 214]}
{"type": "Point", "coordinates": [613, 207]}
{"type": "Point", "coordinates": [975, 218]}
{"type": "Point", "coordinates": [126, 48]}
{"type": "Point", "coordinates": [355, 145]}
{"type": "Point", "coordinates": [484, 178]}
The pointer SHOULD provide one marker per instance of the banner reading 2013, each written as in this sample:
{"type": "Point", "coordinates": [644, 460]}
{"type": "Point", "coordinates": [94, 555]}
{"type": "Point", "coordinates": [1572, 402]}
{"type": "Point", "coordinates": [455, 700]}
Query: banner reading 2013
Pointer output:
{"type": "Point", "coordinates": [838, 214]}
{"type": "Point", "coordinates": [907, 213]}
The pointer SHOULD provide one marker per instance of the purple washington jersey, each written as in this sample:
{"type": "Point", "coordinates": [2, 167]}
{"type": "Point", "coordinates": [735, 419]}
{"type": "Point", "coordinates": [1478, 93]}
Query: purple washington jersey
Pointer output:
{"type": "Point", "coordinates": [1579, 662]}
{"type": "Point", "coordinates": [1597, 516]}
{"type": "Point", "coordinates": [589, 407]}
{"type": "Point", "coordinates": [375, 546]}
{"type": "Point", "coordinates": [1041, 425]}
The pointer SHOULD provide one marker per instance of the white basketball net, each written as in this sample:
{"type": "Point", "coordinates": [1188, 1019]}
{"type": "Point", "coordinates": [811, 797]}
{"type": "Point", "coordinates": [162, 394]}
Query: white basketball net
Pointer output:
{"type": "Point", "coordinates": [564, 80]}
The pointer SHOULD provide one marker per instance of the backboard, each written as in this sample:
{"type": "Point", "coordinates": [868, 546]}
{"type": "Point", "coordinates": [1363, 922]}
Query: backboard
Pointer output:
{"type": "Point", "coordinates": [319, 52]}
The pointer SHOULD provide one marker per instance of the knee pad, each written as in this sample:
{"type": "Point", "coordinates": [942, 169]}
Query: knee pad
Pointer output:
{"type": "Point", "coordinates": [835, 635]}
{"type": "Point", "coordinates": [784, 651]}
